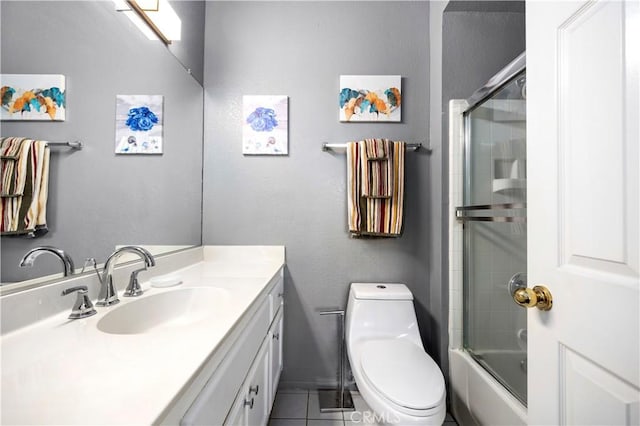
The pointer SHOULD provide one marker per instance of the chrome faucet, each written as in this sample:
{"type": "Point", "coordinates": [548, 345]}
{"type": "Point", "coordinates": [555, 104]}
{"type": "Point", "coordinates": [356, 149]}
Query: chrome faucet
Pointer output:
{"type": "Point", "coordinates": [108, 295]}
{"type": "Point", "coordinates": [67, 262]}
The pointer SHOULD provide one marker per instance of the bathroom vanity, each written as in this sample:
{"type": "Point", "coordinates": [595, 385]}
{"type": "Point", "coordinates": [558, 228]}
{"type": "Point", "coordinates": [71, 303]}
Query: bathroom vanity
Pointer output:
{"type": "Point", "coordinates": [206, 351]}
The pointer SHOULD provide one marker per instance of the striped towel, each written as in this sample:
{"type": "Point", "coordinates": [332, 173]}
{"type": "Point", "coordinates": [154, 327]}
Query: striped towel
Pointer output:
{"type": "Point", "coordinates": [13, 154]}
{"type": "Point", "coordinates": [377, 168]}
{"type": "Point", "coordinates": [375, 217]}
{"type": "Point", "coordinates": [24, 186]}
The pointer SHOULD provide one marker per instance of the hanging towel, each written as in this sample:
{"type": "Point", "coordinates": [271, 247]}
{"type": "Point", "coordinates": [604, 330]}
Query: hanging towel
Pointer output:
{"type": "Point", "coordinates": [13, 157]}
{"type": "Point", "coordinates": [353, 186]}
{"type": "Point", "coordinates": [24, 186]}
{"type": "Point", "coordinates": [375, 216]}
{"type": "Point", "coordinates": [377, 168]}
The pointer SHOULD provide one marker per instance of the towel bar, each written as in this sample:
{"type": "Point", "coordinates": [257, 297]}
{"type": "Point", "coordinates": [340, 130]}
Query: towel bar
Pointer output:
{"type": "Point", "coordinates": [341, 147]}
{"type": "Point", "coordinates": [73, 145]}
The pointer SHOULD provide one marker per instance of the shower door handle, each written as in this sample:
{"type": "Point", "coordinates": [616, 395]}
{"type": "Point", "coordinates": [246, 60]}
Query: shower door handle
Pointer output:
{"type": "Point", "coordinates": [539, 296]}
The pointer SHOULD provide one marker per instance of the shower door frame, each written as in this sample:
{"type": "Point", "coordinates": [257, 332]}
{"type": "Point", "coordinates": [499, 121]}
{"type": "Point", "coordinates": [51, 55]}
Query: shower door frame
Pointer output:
{"type": "Point", "coordinates": [471, 388]}
{"type": "Point", "coordinates": [466, 213]}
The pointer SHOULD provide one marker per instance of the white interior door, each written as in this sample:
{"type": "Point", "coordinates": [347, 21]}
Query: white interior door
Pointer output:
{"type": "Point", "coordinates": [583, 160]}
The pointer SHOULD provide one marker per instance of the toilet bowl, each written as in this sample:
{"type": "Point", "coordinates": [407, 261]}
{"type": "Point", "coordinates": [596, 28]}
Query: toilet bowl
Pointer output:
{"type": "Point", "coordinates": [395, 376]}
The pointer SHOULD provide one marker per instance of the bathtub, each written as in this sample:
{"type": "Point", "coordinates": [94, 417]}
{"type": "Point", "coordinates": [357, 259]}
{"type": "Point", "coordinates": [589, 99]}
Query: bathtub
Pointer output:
{"type": "Point", "coordinates": [508, 367]}
{"type": "Point", "coordinates": [477, 398]}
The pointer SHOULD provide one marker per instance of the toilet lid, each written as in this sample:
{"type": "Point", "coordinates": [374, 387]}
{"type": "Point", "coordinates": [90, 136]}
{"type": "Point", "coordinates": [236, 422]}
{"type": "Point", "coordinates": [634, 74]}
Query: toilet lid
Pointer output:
{"type": "Point", "coordinates": [403, 372]}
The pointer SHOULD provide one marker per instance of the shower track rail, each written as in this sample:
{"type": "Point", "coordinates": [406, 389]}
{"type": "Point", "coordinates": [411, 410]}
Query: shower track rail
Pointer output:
{"type": "Point", "coordinates": [462, 213]}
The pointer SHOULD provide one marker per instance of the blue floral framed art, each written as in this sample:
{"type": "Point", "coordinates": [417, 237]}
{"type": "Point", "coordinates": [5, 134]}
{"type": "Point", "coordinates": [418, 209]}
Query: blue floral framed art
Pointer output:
{"type": "Point", "coordinates": [265, 125]}
{"type": "Point", "coordinates": [139, 124]}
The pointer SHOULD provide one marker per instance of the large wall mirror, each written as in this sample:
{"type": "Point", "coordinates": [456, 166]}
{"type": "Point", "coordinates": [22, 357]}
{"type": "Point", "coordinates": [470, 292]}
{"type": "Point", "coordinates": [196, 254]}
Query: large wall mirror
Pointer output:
{"type": "Point", "coordinates": [98, 199]}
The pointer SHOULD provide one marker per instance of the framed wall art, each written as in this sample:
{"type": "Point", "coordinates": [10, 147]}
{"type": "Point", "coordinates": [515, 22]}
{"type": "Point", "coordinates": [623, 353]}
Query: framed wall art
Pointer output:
{"type": "Point", "coordinates": [265, 125]}
{"type": "Point", "coordinates": [139, 124]}
{"type": "Point", "coordinates": [33, 97]}
{"type": "Point", "coordinates": [370, 98]}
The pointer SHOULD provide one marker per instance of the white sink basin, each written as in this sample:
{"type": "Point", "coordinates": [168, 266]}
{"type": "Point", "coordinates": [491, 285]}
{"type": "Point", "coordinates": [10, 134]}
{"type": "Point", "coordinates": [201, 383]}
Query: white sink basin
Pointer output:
{"type": "Point", "coordinates": [164, 311]}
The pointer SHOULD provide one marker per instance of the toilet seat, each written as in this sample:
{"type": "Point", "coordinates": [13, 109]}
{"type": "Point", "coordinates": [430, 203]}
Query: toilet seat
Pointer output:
{"type": "Point", "coordinates": [404, 374]}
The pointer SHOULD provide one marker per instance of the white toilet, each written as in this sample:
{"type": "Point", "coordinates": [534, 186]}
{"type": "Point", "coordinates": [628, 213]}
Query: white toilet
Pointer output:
{"type": "Point", "coordinates": [396, 377]}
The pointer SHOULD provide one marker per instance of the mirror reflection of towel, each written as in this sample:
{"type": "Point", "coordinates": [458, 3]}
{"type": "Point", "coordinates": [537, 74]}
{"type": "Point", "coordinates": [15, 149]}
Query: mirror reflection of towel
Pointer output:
{"type": "Point", "coordinates": [24, 186]}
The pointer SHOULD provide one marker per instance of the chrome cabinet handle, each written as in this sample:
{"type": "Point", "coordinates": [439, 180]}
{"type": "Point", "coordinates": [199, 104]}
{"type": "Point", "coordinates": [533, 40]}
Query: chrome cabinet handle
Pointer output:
{"type": "Point", "coordinates": [253, 389]}
{"type": "Point", "coordinates": [249, 403]}
{"type": "Point", "coordinates": [276, 336]}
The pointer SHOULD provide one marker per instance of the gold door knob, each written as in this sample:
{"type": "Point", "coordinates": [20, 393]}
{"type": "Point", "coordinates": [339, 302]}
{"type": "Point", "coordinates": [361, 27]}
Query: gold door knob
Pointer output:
{"type": "Point", "coordinates": [539, 296]}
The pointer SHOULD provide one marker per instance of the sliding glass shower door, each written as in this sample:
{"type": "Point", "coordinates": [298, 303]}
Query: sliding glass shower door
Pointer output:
{"type": "Point", "coordinates": [495, 234]}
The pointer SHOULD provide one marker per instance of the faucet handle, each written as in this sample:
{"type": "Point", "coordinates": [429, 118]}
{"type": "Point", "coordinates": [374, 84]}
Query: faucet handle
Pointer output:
{"type": "Point", "coordinates": [134, 289]}
{"type": "Point", "coordinates": [83, 307]}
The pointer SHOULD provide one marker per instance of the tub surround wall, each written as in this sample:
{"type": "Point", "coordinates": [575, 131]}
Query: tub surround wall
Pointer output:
{"type": "Point", "coordinates": [455, 230]}
{"type": "Point", "coordinates": [300, 49]}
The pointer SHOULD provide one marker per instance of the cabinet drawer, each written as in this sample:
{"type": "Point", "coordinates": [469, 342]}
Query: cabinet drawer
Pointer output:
{"type": "Point", "coordinates": [213, 403]}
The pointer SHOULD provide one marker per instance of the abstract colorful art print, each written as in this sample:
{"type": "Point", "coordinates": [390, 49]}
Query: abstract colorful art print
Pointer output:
{"type": "Point", "coordinates": [139, 124]}
{"type": "Point", "coordinates": [370, 98]}
{"type": "Point", "coordinates": [27, 97]}
{"type": "Point", "coordinates": [265, 125]}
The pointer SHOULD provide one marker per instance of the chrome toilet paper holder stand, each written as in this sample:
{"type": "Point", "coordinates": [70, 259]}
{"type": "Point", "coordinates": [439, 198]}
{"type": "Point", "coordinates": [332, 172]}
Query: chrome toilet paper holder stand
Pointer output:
{"type": "Point", "coordinates": [339, 399]}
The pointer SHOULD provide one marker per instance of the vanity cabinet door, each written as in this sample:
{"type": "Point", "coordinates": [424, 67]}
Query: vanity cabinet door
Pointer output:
{"type": "Point", "coordinates": [238, 414]}
{"type": "Point", "coordinates": [212, 405]}
{"type": "Point", "coordinates": [275, 354]}
{"type": "Point", "coordinates": [257, 393]}
{"type": "Point", "coordinates": [251, 407]}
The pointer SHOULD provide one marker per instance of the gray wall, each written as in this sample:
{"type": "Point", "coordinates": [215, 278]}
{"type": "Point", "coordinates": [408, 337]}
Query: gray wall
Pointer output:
{"type": "Point", "coordinates": [479, 38]}
{"type": "Point", "coordinates": [98, 199]}
{"type": "Point", "coordinates": [300, 49]}
{"type": "Point", "coordinates": [189, 50]}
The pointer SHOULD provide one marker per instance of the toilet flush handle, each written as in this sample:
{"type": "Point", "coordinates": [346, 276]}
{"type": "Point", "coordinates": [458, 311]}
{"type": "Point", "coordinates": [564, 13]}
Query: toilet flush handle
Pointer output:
{"type": "Point", "coordinates": [336, 312]}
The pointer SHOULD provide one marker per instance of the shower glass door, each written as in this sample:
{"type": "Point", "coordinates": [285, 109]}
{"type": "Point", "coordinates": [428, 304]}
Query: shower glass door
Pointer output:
{"type": "Point", "coordinates": [495, 234]}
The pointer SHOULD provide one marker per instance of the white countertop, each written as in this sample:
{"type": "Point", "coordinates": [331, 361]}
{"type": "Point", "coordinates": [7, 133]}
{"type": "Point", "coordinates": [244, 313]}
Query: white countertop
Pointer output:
{"type": "Point", "coordinates": [61, 371]}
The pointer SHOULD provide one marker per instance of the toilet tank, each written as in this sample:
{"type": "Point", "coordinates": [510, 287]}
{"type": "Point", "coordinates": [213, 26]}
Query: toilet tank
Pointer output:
{"type": "Point", "coordinates": [381, 310]}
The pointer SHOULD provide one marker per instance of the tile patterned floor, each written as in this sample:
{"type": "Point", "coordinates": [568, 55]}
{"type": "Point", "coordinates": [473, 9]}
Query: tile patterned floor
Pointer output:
{"type": "Point", "coordinates": [299, 407]}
